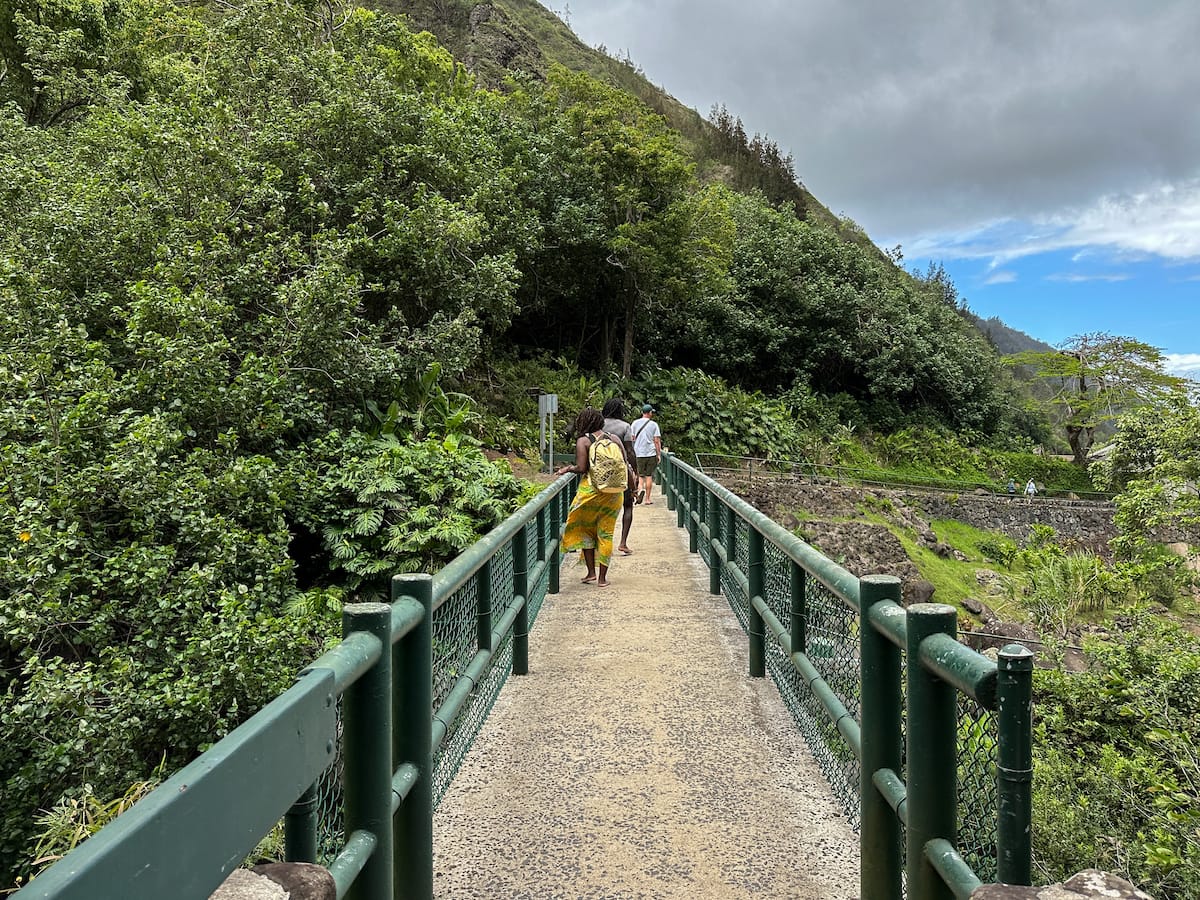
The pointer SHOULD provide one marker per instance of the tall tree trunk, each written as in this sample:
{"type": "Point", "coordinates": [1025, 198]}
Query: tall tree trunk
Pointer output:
{"type": "Point", "coordinates": [630, 310]}
{"type": "Point", "coordinates": [606, 342]}
{"type": "Point", "coordinates": [1081, 438]}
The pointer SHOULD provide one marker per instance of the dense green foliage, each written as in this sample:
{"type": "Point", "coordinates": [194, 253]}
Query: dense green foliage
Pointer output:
{"type": "Point", "coordinates": [1116, 769]}
{"type": "Point", "coordinates": [1155, 464]}
{"type": "Point", "coordinates": [224, 240]}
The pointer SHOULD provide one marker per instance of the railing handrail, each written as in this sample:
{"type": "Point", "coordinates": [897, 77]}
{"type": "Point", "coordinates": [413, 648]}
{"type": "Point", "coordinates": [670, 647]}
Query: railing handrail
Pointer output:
{"type": "Point", "coordinates": [391, 734]}
{"type": "Point", "coordinates": [797, 468]}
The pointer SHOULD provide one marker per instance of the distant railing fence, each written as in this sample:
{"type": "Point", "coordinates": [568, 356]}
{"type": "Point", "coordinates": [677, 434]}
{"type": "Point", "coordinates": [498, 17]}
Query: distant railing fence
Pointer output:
{"type": "Point", "coordinates": [929, 739]}
{"type": "Point", "coordinates": [350, 757]}
{"type": "Point", "coordinates": [735, 469]}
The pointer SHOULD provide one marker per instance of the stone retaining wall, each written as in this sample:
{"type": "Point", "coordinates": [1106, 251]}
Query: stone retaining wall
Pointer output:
{"type": "Point", "coordinates": [1088, 522]}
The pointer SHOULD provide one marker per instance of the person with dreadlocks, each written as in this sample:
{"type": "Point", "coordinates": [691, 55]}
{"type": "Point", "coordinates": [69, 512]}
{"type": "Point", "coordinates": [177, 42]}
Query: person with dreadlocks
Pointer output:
{"type": "Point", "coordinates": [593, 514]}
{"type": "Point", "coordinates": [615, 424]}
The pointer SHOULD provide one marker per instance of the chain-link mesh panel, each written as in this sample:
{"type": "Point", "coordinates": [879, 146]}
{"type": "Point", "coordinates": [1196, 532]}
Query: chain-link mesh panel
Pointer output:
{"type": "Point", "coordinates": [734, 592]}
{"type": "Point", "coordinates": [455, 643]}
{"type": "Point", "coordinates": [330, 830]}
{"type": "Point", "coordinates": [741, 531]}
{"type": "Point", "coordinates": [465, 727]}
{"type": "Point", "coordinates": [704, 544]}
{"type": "Point", "coordinates": [978, 801]}
{"type": "Point", "coordinates": [531, 545]}
{"type": "Point", "coordinates": [539, 587]}
{"type": "Point", "coordinates": [832, 648]}
{"type": "Point", "coordinates": [502, 582]}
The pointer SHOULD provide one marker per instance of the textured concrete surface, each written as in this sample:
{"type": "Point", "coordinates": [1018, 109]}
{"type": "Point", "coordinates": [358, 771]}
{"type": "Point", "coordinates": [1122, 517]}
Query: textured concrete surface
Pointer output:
{"type": "Point", "coordinates": [637, 759]}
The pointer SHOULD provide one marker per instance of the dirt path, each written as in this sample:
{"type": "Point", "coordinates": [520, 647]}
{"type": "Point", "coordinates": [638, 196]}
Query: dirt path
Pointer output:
{"type": "Point", "coordinates": [637, 759]}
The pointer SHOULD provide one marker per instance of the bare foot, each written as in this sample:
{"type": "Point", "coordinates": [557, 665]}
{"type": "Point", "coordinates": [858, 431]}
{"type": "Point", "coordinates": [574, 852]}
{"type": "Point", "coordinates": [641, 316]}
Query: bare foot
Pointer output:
{"type": "Point", "coordinates": [589, 579]}
{"type": "Point", "coordinates": [603, 583]}
{"type": "Point", "coordinates": [625, 550]}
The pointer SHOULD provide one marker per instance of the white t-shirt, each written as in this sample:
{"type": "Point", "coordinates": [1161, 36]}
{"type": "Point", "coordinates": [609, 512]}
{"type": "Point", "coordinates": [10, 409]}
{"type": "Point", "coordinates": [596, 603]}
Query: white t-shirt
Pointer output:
{"type": "Point", "coordinates": [644, 432]}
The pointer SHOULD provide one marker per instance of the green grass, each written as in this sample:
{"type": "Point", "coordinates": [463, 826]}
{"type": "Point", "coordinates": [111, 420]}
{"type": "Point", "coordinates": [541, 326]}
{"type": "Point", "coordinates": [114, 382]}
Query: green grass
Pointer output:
{"type": "Point", "coordinates": [954, 580]}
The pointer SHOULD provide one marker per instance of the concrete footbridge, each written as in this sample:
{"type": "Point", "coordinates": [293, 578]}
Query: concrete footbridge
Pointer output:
{"type": "Point", "coordinates": [733, 716]}
{"type": "Point", "coordinates": [636, 759]}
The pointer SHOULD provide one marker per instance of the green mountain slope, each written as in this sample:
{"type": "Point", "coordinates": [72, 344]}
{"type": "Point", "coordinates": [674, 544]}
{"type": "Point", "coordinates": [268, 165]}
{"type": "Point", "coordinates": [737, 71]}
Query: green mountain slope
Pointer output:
{"type": "Point", "coordinates": [498, 39]}
{"type": "Point", "coordinates": [1006, 339]}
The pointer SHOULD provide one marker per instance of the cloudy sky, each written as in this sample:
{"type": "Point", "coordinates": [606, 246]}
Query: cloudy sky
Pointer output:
{"type": "Point", "coordinates": [1046, 151]}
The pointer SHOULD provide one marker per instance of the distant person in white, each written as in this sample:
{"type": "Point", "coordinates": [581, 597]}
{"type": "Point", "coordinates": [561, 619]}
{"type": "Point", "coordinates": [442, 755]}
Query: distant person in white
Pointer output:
{"type": "Point", "coordinates": [1030, 489]}
{"type": "Point", "coordinates": [647, 447]}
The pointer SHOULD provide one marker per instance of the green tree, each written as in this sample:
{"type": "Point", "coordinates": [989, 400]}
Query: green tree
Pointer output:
{"type": "Point", "coordinates": [624, 183]}
{"type": "Point", "coordinates": [1097, 376]}
{"type": "Point", "coordinates": [1155, 467]}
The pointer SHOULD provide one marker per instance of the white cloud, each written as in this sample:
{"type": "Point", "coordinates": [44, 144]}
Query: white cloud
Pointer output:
{"type": "Point", "coordinates": [1159, 221]}
{"type": "Point", "coordinates": [1075, 278]}
{"type": "Point", "coordinates": [1003, 276]}
{"type": "Point", "coordinates": [1185, 364]}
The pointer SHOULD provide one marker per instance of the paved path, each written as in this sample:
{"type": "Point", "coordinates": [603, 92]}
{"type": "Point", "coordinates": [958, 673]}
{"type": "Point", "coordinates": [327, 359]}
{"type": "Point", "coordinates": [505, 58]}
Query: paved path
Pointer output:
{"type": "Point", "coordinates": [637, 759]}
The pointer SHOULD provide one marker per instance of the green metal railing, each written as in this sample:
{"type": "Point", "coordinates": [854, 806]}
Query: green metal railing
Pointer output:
{"type": "Point", "coordinates": [356, 755]}
{"type": "Point", "coordinates": [926, 742]}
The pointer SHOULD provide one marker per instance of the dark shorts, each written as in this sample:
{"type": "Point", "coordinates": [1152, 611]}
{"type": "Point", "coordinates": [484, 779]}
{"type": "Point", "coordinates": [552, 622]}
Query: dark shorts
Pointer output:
{"type": "Point", "coordinates": [646, 465]}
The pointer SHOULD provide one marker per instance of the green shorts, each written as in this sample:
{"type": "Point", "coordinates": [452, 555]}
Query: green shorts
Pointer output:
{"type": "Point", "coordinates": [646, 465]}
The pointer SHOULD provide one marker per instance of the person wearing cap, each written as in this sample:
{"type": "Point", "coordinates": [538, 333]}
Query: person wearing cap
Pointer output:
{"type": "Point", "coordinates": [647, 449]}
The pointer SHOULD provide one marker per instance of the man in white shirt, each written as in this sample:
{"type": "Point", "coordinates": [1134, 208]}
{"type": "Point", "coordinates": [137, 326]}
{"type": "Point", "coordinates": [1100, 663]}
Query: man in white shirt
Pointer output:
{"type": "Point", "coordinates": [647, 448]}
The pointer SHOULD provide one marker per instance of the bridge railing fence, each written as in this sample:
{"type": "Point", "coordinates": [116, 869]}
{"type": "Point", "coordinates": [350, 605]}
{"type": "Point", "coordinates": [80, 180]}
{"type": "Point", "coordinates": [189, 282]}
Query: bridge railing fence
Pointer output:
{"type": "Point", "coordinates": [926, 742]}
{"type": "Point", "coordinates": [354, 758]}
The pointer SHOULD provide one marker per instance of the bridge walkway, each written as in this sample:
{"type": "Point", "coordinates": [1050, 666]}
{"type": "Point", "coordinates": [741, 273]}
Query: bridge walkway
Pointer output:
{"type": "Point", "coordinates": [637, 759]}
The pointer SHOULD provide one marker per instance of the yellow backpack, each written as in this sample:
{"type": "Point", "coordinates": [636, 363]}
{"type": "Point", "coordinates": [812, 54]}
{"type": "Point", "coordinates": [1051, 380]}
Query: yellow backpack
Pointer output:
{"type": "Point", "coordinates": [606, 465]}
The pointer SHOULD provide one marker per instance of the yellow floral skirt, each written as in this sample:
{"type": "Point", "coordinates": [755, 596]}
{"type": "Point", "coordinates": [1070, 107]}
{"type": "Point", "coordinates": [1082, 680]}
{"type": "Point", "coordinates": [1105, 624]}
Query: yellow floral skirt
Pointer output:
{"type": "Point", "coordinates": [592, 520]}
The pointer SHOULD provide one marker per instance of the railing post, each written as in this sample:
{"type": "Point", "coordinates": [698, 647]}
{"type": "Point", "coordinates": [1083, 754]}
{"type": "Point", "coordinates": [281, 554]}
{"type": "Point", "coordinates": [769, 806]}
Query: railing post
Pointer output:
{"type": "Point", "coordinates": [695, 492]}
{"type": "Point", "coordinates": [879, 874]}
{"type": "Point", "coordinates": [300, 828]}
{"type": "Point", "coordinates": [556, 529]}
{"type": "Point", "coordinates": [714, 529]}
{"type": "Point", "coordinates": [797, 582]}
{"type": "Point", "coordinates": [1014, 763]}
{"type": "Point", "coordinates": [483, 606]}
{"type": "Point", "coordinates": [520, 558]}
{"type": "Point", "coordinates": [670, 478]}
{"type": "Point", "coordinates": [756, 628]}
{"type": "Point", "coordinates": [932, 753]}
{"type": "Point", "coordinates": [683, 491]}
{"type": "Point", "coordinates": [412, 742]}
{"type": "Point", "coordinates": [367, 722]}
